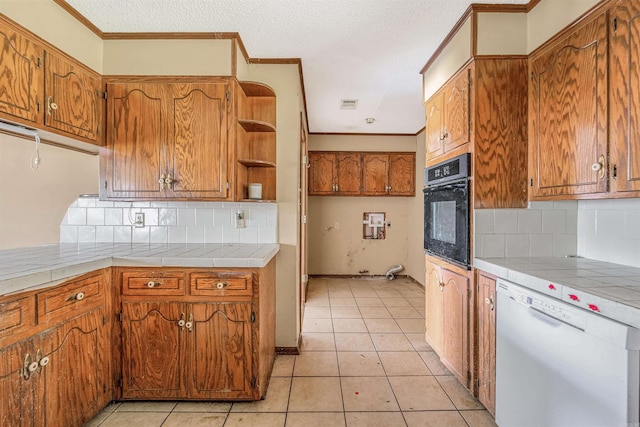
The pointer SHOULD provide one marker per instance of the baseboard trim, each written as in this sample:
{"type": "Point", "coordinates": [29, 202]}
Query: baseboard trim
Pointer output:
{"type": "Point", "coordinates": [288, 351]}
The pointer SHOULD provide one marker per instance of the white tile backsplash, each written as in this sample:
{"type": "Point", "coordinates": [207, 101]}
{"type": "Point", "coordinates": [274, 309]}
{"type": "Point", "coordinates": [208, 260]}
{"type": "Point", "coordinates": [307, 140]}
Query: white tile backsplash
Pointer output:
{"type": "Point", "coordinates": [89, 220]}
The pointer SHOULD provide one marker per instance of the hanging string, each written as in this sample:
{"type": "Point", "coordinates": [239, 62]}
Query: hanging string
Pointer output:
{"type": "Point", "coordinates": [35, 157]}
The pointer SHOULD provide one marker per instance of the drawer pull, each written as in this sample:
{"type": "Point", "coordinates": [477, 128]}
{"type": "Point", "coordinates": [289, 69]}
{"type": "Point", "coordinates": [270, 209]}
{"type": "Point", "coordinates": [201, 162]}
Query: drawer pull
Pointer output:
{"type": "Point", "coordinates": [221, 285]}
{"type": "Point", "coordinates": [153, 284]}
{"type": "Point", "coordinates": [76, 297]}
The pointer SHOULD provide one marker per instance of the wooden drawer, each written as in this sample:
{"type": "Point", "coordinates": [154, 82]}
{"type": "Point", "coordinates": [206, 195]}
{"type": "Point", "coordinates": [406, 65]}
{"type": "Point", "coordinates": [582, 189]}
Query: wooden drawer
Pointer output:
{"type": "Point", "coordinates": [232, 283]}
{"type": "Point", "coordinates": [152, 282]}
{"type": "Point", "coordinates": [16, 317]}
{"type": "Point", "coordinates": [69, 300]}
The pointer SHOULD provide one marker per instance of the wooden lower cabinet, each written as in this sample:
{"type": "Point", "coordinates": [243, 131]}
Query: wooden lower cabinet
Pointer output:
{"type": "Point", "coordinates": [486, 349]}
{"type": "Point", "coordinates": [447, 317]}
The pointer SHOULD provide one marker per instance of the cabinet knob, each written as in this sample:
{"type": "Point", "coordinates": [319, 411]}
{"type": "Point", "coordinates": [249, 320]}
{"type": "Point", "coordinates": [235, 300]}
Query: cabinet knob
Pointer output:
{"type": "Point", "coordinates": [221, 285]}
{"type": "Point", "coordinates": [489, 301]}
{"type": "Point", "coordinates": [153, 284]}
{"type": "Point", "coordinates": [181, 322]}
{"type": "Point", "coordinates": [76, 297]}
{"type": "Point", "coordinates": [599, 167]}
{"type": "Point", "coordinates": [441, 284]}
{"type": "Point", "coordinates": [51, 106]}
{"type": "Point", "coordinates": [189, 324]}
{"type": "Point", "coordinates": [44, 361]}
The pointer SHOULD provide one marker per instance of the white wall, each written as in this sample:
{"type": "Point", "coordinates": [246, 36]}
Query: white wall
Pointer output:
{"type": "Point", "coordinates": [415, 253]}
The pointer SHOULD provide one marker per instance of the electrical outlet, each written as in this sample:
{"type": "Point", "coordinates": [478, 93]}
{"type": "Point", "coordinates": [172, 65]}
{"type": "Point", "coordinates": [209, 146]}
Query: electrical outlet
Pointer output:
{"type": "Point", "coordinates": [139, 220]}
{"type": "Point", "coordinates": [240, 220]}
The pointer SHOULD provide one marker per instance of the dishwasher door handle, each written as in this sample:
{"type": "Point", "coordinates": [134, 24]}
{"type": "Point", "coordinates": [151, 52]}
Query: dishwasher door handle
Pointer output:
{"type": "Point", "coordinates": [551, 320]}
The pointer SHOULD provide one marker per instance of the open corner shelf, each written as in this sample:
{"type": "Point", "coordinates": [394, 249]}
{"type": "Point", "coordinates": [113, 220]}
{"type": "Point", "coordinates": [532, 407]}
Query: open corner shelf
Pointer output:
{"type": "Point", "coordinates": [256, 89]}
{"type": "Point", "coordinates": [256, 126]}
{"type": "Point", "coordinates": [253, 163]}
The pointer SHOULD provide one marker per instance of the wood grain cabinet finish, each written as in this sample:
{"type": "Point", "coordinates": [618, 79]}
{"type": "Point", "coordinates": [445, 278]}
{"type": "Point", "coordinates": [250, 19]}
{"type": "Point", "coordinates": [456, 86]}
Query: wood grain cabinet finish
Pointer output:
{"type": "Point", "coordinates": [447, 122]}
{"type": "Point", "coordinates": [624, 98]}
{"type": "Point", "coordinates": [447, 329]}
{"type": "Point", "coordinates": [60, 375]}
{"type": "Point", "coordinates": [166, 141]}
{"type": "Point", "coordinates": [217, 341]}
{"type": "Point", "coordinates": [335, 173]}
{"type": "Point", "coordinates": [568, 113]}
{"type": "Point", "coordinates": [486, 348]}
{"type": "Point", "coordinates": [388, 174]}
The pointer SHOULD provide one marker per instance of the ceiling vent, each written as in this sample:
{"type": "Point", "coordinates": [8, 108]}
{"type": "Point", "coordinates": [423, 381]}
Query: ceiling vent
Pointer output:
{"type": "Point", "coordinates": [348, 104]}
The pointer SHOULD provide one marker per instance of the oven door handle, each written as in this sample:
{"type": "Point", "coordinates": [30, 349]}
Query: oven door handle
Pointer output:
{"type": "Point", "coordinates": [446, 187]}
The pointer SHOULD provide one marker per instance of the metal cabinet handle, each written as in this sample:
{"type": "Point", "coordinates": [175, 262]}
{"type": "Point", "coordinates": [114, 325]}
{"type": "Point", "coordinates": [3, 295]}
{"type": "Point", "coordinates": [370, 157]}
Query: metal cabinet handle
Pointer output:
{"type": "Point", "coordinates": [51, 106]}
{"type": "Point", "coordinates": [153, 284]}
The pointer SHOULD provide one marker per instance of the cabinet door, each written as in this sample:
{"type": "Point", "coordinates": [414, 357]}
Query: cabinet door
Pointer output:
{"type": "Point", "coordinates": [153, 350]}
{"type": "Point", "coordinates": [21, 78]}
{"type": "Point", "coordinates": [375, 174]}
{"type": "Point", "coordinates": [455, 306]}
{"type": "Point", "coordinates": [402, 174]}
{"type": "Point", "coordinates": [220, 351]}
{"type": "Point", "coordinates": [568, 113]}
{"type": "Point", "coordinates": [433, 127]}
{"type": "Point", "coordinates": [348, 174]}
{"type": "Point", "coordinates": [72, 98]}
{"type": "Point", "coordinates": [75, 378]}
{"type": "Point", "coordinates": [487, 342]}
{"type": "Point", "coordinates": [321, 173]}
{"type": "Point", "coordinates": [198, 154]}
{"type": "Point", "coordinates": [625, 96]}
{"type": "Point", "coordinates": [19, 391]}
{"type": "Point", "coordinates": [456, 112]}
{"type": "Point", "coordinates": [135, 158]}
{"type": "Point", "coordinates": [433, 299]}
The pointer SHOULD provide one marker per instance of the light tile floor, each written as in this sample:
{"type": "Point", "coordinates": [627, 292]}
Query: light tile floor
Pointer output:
{"type": "Point", "coordinates": [363, 362]}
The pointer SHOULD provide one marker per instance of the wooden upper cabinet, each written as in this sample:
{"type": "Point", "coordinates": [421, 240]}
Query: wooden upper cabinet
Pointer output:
{"type": "Point", "coordinates": [389, 174]}
{"type": "Point", "coordinates": [485, 308]}
{"type": "Point", "coordinates": [73, 98]}
{"type": "Point", "coordinates": [334, 173]}
{"type": "Point", "coordinates": [447, 121]}
{"type": "Point", "coordinates": [568, 113]}
{"type": "Point", "coordinates": [166, 141]}
{"type": "Point", "coordinates": [321, 174]}
{"type": "Point", "coordinates": [624, 97]}
{"type": "Point", "coordinates": [21, 77]}
{"type": "Point", "coordinates": [402, 174]}
{"type": "Point", "coordinates": [348, 174]}
{"type": "Point", "coordinates": [376, 174]}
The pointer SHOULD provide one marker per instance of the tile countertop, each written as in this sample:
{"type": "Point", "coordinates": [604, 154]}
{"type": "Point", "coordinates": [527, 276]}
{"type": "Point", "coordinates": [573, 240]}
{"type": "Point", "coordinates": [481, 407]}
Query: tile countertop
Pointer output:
{"type": "Point", "coordinates": [612, 290]}
{"type": "Point", "coordinates": [41, 266]}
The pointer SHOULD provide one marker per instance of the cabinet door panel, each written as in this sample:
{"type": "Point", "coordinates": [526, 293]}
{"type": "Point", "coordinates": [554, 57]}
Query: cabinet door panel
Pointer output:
{"type": "Point", "coordinates": [19, 395]}
{"type": "Point", "coordinates": [220, 352]}
{"type": "Point", "coordinates": [75, 381]}
{"type": "Point", "coordinates": [20, 78]}
{"type": "Point", "coordinates": [375, 174]}
{"type": "Point", "coordinates": [625, 96]}
{"type": "Point", "coordinates": [199, 149]}
{"type": "Point", "coordinates": [568, 122]}
{"type": "Point", "coordinates": [75, 95]}
{"type": "Point", "coordinates": [135, 159]}
{"type": "Point", "coordinates": [433, 129]}
{"type": "Point", "coordinates": [433, 296]}
{"type": "Point", "coordinates": [153, 350]}
{"type": "Point", "coordinates": [348, 173]}
{"type": "Point", "coordinates": [402, 174]}
{"type": "Point", "coordinates": [455, 352]}
{"type": "Point", "coordinates": [487, 342]}
{"type": "Point", "coordinates": [456, 112]}
{"type": "Point", "coordinates": [321, 173]}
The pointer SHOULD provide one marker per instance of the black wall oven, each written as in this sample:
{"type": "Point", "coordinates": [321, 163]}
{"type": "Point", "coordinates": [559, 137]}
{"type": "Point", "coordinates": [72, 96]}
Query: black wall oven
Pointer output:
{"type": "Point", "coordinates": [446, 210]}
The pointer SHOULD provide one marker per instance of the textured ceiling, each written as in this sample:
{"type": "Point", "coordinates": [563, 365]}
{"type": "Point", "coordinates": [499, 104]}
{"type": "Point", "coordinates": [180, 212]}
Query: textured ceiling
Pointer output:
{"type": "Point", "coordinates": [371, 50]}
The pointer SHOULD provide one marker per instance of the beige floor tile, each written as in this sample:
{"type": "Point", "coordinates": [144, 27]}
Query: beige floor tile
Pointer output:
{"type": "Point", "coordinates": [202, 407]}
{"type": "Point", "coordinates": [368, 394]}
{"type": "Point", "coordinates": [434, 419]}
{"type": "Point", "coordinates": [142, 406]}
{"type": "Point", "coordinates": [276, 400]}
{"type": "Point", "coordinates": [359, 364]}
{"type": "Point", "coordinates": [412, 326]}
{"type": "Point", "coordinates": [283, 366]}
{"type": "Point", "coordinates": [388, 293]}
{"type": "Point", "coordinates": [99, 418]}
{"type": "Point", "coordinates": [343, 292]}
{"type": "Point", "coordinates": [317, 325]}
{"type": "Point", "coordinates": [315, 394]}
{"type": "Point", "coordinates": [420, 394]}
{"type": "Point", "coordinates": [404, 313]}
{"type": "Point", "coordinates": [382, 325]}
{"type": "Point", "coordinates": [478, 418]}
{"type": "Point", "coordinates": [317, 341]}
{"type": "Point", "coordinates": [397, 301]}
{"type": "Point", "coordinates": [138, 419]}
{"type": "Point", "coordinates": [354, 342]}
{"type": "Point", "coordinates": [369, 302]}
{"type": "Point", "coordinates": [375, 312]}
{"type": "Point", "coordinates": [320, 312]}
{"type": "Point", "coordinates": [345, 312]}
{"type": "Point", "coordinates": [364, 292]}
{"type": "Point", "coordinates": [418, 341]}
{"type": "Point", "coordinates": [315, 419]}
{"type": "Point", "coordinates": [318, 300]}
{"type": "Point", "coordinates": [459, 395]}
{"type": "Point", "coordinates": [391, 342]}
{"type": "Point", "coordinates": [264, 419]}
{"type": "Point", "coordinates": [316, 364]}
{"type": "Point", "coordinates": [349, 325]}
{"type": "Point", "coordinates": [375, 419]}
{"type": "Point", "coordinates": [403, 363]}
{"type": "Point", "coordinates": [195, 419]}
{"type": "Point", "coordinates": [342, 301]}
{"type": "Point", "coordinates": [433, 363]}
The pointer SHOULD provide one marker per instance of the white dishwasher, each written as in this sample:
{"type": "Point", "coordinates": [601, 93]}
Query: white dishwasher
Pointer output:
{"type": "Point", "coordinates": [559, 365]}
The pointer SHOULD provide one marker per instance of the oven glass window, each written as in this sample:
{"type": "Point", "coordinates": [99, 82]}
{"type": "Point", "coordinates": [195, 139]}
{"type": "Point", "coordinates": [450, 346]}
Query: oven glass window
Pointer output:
{"type": "Point", "coordinates": [443, 224]}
